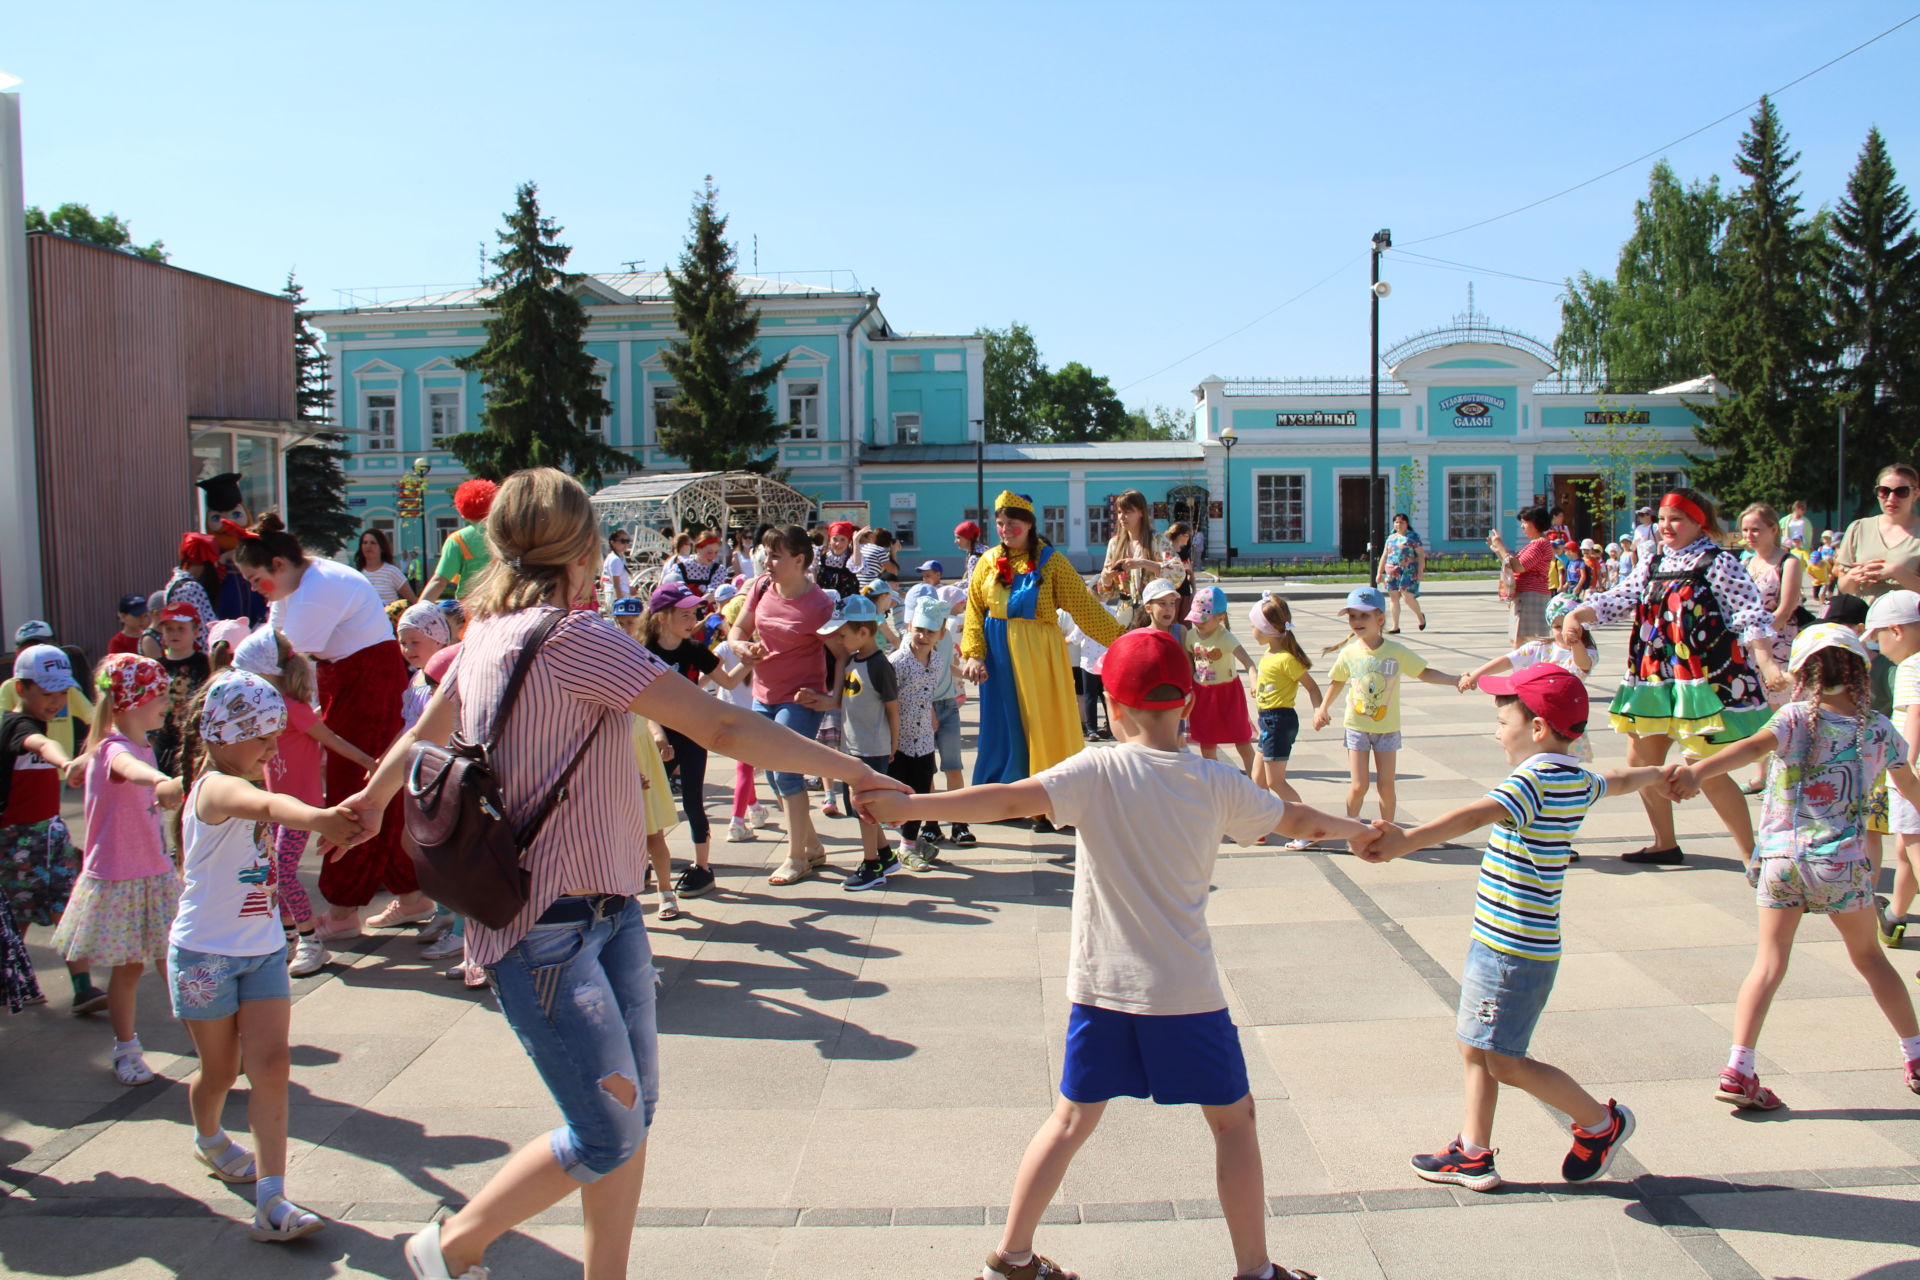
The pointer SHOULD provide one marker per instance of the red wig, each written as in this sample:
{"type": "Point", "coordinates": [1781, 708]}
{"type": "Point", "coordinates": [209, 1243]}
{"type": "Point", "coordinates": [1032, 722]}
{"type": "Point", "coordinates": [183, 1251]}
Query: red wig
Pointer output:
{"type": "Point", "coordinates": [474, 499]}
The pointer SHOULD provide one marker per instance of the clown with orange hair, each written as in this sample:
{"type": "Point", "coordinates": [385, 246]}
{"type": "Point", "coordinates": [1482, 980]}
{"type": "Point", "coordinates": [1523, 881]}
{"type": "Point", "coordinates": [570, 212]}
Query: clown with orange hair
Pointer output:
{"type": "Point", "coordinates": [465, 552]}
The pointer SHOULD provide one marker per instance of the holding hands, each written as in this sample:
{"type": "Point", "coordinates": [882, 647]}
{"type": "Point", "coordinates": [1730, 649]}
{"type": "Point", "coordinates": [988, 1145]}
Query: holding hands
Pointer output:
{"type": "Point", "coordinates": [169, 794]}
{"type": "Point", "coordinates": [340, 826]}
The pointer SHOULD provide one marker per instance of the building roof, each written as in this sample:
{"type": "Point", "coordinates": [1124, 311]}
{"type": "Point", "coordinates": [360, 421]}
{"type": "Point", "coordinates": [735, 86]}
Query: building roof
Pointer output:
{"type": "Point", "coordinates": [1101, 451]}
{"type": "Point", "coordinates": [633, 286]}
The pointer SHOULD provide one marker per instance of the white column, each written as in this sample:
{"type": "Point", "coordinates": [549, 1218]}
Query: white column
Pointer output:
{"type": "Point", "coordinates": [22, 588]}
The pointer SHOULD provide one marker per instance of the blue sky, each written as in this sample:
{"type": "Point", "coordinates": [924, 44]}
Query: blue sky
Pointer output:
{"type": "Point", "coordinates": [1133, 181]}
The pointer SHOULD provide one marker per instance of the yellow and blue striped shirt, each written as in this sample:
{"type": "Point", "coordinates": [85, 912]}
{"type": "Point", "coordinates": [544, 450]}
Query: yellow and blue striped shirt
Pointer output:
{"type": "Point", "coordinates": [1516, 905]}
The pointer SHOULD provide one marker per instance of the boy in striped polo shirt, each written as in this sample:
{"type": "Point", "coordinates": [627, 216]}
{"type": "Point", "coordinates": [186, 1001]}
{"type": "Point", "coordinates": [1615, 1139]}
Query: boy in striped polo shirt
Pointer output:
{"type": "Point", "coordinates": [1515, 950]}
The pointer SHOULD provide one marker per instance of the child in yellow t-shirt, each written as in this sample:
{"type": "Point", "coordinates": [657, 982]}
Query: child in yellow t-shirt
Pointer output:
{"type": "Point", "coordinates": [1276, 686]}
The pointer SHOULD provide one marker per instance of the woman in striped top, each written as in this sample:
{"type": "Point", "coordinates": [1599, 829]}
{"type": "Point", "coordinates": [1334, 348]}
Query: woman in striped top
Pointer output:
{"type": "Point", "coordinates": [573, 971]}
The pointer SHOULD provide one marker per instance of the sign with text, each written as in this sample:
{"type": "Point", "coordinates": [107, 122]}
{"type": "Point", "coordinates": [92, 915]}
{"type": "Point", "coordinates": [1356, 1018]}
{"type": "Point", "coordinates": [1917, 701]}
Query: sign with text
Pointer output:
{"type": "Point", "coordinates": [1317, 418]}
{"type": "Point", "coordinates": [1472, 408]}
{"type": "Point", "coordinates": [1618, 417]}
{"type": "Point", "coordinates": [860, 513]}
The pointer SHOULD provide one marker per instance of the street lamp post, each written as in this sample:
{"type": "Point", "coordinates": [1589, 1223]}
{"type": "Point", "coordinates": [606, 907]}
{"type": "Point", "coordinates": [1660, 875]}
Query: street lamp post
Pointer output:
{"type": "Point", "coordinates": [1228, 438]}
{"type": "Point", "coordinates": [422, 468]}
{"type": "Point", "coordinates": [1382, 241]}
{"type": "Point", "coordinates": [980, 467]}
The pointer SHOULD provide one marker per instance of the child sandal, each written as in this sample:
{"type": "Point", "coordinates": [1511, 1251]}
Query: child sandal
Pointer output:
{"type": "Point", "coordinates": [280, 1220]}
{"type": "Point", "coordinates": [234, 1165]}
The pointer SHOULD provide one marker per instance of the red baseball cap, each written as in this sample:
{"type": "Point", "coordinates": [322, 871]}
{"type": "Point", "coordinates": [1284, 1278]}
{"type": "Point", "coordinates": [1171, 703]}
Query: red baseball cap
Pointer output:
{"type": "Point", "coordinates": [1549, 691]}
{"type": "Point", "coordinates": [1144, 663]}
{"type": "Point", "coordinates": [180, 611]}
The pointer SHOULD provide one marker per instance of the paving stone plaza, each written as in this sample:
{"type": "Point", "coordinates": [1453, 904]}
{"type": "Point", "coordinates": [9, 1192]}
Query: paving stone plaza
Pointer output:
{"type": "Point", "coordinates": [849, 1081]}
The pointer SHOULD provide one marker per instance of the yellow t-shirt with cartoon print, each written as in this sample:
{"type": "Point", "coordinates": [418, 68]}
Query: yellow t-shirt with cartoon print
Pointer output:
{"type": "Point", "coordinates": [1372, 677]}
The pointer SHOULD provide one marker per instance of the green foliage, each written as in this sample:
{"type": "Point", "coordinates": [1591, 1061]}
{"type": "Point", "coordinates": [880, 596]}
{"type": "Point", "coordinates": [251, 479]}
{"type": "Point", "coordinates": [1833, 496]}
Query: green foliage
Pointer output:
{"type": "Point", "coordinates": [1769, 342]}
{"type": "Point", "coordinates": [1616, 451]}
{"type": "Point", "coordinates": [1873, 304]}
{"type": "Point", "coordinates": [1410, 488]}
{"type": "Point", "coordinates": [1012, 373]}
{"type": "Point", "coordinates": [542, 393]}
{"type": "Point", "coordinates": [1079, 406]}
{"type": "Point", "coordinates": [1028, 403]}
{"type": "Point", "coordinates": [1156, 422]}
{"type": "Point", "coordinates": [316, 486]}
{"type": "Point", "coordinates": [1647, 326]}
{"type": "Point", "coordinates": [721, 417]}
{"type": "Point", "coordinates": [109, 231]}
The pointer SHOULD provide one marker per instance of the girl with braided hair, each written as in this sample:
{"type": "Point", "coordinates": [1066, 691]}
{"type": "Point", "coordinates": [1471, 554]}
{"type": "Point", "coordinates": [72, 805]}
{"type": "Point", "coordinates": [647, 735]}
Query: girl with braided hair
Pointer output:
{"type": "Point", "coordinates": [1823, 750]}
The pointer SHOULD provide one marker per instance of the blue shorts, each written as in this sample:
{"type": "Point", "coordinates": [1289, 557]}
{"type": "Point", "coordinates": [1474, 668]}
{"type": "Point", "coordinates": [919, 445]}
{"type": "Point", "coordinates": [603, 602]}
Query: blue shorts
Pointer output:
{"type": "Point", "coordinates": [1185, 1058]}
{"type": "Point", "coordinates": [1501, 999]}
{"type": "Point", "coordinates": [946, 732]}
{"type": "Point", "coordinates": [1279, 728]}
{"type": "Point", "coordinates": [806, 723]}
{"type": "Point", "coordinates": [207, 988]}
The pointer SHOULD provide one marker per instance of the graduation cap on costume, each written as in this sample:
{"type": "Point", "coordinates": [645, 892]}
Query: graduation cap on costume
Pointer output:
{"type": "Point", "coordinates": [223, 491]}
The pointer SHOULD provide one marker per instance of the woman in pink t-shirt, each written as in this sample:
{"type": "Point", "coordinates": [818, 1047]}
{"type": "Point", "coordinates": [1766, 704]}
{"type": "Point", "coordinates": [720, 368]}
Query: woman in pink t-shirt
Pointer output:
{"type": "Point", "coordinates": [123, 904]}
{"type": "Point", "coordinates": [778, 631]}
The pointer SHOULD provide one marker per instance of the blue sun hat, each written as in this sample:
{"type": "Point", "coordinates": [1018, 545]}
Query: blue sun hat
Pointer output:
{"type": "Point", "coordinates": [1364, 600]}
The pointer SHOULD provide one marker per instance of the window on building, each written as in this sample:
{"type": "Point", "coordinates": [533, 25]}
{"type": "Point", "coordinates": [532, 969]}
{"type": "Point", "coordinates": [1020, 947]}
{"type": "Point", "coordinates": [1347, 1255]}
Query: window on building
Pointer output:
{"type": "Point", "coordinates": [906, 428]}
{"type": "Point", "coordinates": [905, 362]}
{"type": "Point", "coordinates": [379, 416]}
{"type": "Point", "coordinates": [661, 396]}
{"type": "Point", "coordinates": [1280, 507]}
{"type": "Point", "coordinates": [602, 427]}
{"type": "Point", "coordinates": [905, 522]}
{"type": "Point", "coordinates": [947, 362]}
{"type": "Point", "coordinates": [803, 411]}
{"type": "Point", "coordinates": [443, 415]}
{"type": "Point", "coordinates": [982, 518]}
{"type": "Point", "coordinates": [1472, 504]}
{"type": "Point", "coordinates": [1053, 524]}
{"type": "Point", "coordinates": [1650, 486]}
{"type": "Point", "coordinates": [1099, 524]}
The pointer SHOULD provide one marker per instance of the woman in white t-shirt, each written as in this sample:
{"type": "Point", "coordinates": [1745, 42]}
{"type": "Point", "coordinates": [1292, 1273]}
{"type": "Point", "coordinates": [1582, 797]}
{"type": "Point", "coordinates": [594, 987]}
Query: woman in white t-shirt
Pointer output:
{"type": "Point", "coordinates": [616, 580]}
{"type": "Point", "coordinates": [332, 613]}
{"type": "Point", "coordinates": [374, 560]}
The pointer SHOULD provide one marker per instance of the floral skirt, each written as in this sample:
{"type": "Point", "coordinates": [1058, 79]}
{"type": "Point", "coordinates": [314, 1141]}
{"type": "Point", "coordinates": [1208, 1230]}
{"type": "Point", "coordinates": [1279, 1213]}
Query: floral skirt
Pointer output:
{"type": "Point", "coordinates": [18, 985]}
{"type": "Point", "coordinates": [111, 922]}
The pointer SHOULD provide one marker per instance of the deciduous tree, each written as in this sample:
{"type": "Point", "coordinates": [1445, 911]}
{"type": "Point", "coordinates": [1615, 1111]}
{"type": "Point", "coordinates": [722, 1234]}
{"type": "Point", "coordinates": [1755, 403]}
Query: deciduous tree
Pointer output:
{"type": "Point", "coordinates": [107, 230]}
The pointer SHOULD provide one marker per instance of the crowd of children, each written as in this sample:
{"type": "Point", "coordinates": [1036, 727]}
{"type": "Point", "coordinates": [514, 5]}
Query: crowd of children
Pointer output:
{"type": "Point", "coordinates": [216, 725]}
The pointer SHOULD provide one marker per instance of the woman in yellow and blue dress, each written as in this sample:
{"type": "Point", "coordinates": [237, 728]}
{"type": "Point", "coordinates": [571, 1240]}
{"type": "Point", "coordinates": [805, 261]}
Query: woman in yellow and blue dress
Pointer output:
{"type": "Point", "coordinates": [1012, 647]}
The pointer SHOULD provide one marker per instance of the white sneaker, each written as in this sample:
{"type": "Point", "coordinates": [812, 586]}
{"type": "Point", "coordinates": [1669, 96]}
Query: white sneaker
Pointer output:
{"type": "Point", "coordinates": [759, 816]}
{"type": "Point", "coordinates": [738, 832]}
{"type": "Point", "coordinates": [309, 956]}
{"type": "Point", "coordinates": [445, 948]}
{"type": "Point", "coordinates": [426, 1261]}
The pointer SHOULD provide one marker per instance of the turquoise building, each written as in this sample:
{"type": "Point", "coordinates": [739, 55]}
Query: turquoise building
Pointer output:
{"type": "Point", "coordinates": [1473, 426]}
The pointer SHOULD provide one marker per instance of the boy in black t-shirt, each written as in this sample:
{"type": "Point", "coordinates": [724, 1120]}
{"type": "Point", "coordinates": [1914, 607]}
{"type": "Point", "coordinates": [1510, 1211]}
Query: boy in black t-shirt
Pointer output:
{"type": "Point", "coordinates": [187, 669]}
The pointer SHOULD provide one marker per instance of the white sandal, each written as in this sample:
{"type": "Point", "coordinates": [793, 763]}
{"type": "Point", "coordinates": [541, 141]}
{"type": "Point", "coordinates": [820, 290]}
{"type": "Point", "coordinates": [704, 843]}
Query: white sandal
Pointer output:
{"type": "Point", "coordinates": [235, 1163]}
{"type": "Point", "coordinates": [297, 1222]}
{"type": "Point", "coordinates": [130, 1068]}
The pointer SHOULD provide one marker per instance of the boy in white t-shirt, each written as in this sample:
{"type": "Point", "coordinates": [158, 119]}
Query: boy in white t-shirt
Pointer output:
{"type": "Point", "coordinates": [1149, 1018]}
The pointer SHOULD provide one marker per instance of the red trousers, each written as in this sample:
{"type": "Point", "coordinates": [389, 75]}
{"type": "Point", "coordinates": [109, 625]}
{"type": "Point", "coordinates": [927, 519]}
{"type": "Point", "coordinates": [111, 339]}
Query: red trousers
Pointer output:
{"type": "Point", "coordinates": [360, 700]}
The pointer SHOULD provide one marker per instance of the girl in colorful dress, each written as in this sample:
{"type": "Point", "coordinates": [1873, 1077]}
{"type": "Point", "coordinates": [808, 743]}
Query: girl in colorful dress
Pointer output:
{"type": "Point", "coordinates": [226, 958]}
{"type": "Point", "coordinates": [294, 771]}
{"type": "Point", "coordinates": [1825, 747]}
{"type": "Point", "coordinates": [1012, 648]}
{"type": "Point", "coordinates": [1699, 663]}
{"type": "Point", "coordinates": [1219, 717]}
{"type": "Point", "coordinates": [1403, 562]}
{"type": "Point", "coordinates": [194, 580]}
{"type": "Point", "coordinates": [124, 901]}
{"type": "Point", "coordinates": [702, 571]}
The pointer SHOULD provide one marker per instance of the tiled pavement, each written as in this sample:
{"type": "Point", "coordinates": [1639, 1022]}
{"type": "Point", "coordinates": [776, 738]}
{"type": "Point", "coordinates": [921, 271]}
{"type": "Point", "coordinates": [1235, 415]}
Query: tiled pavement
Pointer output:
{"type": "Point", "coordinates": [849, 1081]}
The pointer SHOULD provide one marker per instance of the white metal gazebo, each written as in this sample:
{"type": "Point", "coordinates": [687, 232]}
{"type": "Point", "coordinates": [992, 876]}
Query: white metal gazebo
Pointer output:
{"type": "Point", "coordinates": [716, 500]}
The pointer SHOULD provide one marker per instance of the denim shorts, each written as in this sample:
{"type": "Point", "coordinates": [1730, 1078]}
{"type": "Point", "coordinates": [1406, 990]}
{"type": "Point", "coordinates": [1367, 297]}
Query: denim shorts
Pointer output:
{"type": "Point", "coordinates": [806, 723]}
{"type": "Point", "coordinates": [1501, 999]}
{"type": "Point", "coordinates": [1358, 741]}
{"type": "Point", "coordinates": [946, 732]}
{"type": "Point", "coordinates": [1173, 1059]}
{"type": "Point", "coordinates": [1279, 728]}
{"type": "Point", "coordinates": [579, 992]}
{"type": "Point", "coordinates": [206, 987]}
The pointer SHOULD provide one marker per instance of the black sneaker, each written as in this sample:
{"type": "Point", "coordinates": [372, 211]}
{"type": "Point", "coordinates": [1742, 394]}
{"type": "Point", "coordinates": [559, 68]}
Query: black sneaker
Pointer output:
{"type": "Point", "coordinates": [963, 836]}
{"type": "Point", "coordinates": [1591, 1156]}
{"type": "Point", "coordinates": [92, 1000]}
{"type": "Point", "coordinates": [931, 830]}
{"type": "Point", "coordinates": [1455, 1166]}
{"type": "Point", "coordinates": [694, 881]}
{"type": "Point", "coordinates": [872, 873]}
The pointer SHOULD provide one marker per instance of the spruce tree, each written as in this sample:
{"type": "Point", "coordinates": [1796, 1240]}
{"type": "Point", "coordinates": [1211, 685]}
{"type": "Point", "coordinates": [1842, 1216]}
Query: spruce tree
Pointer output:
{"type": "Point", "coordinates": [542, 394]}
{"type": "Point", "coordinates": [720, 417]}
{"type": "Point", "coordinates": [1874, 306]}
{"type": "Point", "coordinates": [1768, 342]}
{"type": "Point", "coordinates": [316, 486]}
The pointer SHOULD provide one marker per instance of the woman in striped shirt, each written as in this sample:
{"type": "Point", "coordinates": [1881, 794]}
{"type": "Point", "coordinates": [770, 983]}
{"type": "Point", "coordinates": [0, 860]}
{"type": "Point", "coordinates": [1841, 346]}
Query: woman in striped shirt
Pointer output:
{"type": "Point", "coordinates": [573, 971]}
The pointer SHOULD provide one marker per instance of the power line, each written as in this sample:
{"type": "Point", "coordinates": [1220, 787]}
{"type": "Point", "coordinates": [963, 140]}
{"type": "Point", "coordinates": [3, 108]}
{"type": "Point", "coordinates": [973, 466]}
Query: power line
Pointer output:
{"type": "Point", "coordinates": [1249, 324]}
{"type": "Point", "coordinates": [1667, 146]}
{"type": "Point", "coordinates": [1447, 264]}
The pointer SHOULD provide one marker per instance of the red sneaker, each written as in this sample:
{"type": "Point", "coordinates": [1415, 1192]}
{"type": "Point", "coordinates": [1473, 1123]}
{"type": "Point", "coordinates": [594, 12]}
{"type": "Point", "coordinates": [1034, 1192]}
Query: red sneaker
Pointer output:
{"type": "Point", "coordinates": [1913, 1075]}
{"type": "Point", "coordinates": [1747, 1093]}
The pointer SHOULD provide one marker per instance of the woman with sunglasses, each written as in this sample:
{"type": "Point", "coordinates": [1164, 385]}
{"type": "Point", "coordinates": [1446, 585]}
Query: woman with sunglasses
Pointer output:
{"type": "Point", "coordinates": [1881, 553]}
{"type": "Point", "coordinates": [616, 579]}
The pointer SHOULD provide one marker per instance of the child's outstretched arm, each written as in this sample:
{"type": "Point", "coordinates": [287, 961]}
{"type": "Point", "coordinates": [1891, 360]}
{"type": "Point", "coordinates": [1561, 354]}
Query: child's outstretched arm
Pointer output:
{"type": "Point", "coordinates": [1323, 713]}
{"type": "Point", "coordinates": [47, 749]}
{"type": "Point", "coordinates": [1396, 843]}
{"type": "Point", "coordinates": [991, 802]}
{"type": "Point", "coordinates": [1470, 681]}
{"type": "Point", "coordinates": [224, 796]}
{"type": "Point", "coordinates": [1434, 675]}
{"type": "Point", "coordinates": [1686, 779]}
{"type": "Point", "coordinates": [339, 746]}
{"type": "Point", "coordinates": [1304, 822]}
{"type": "Point", "coordinates": [1247, 664]}
{"type": "Point", "coordinates": [1658, 778]}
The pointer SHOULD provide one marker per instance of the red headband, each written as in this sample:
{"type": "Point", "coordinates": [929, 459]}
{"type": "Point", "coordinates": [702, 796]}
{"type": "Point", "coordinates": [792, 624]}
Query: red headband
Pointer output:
{"type": "Point", "coordinates": [707, 540]}
{"type": "Point", "coordinates": [1685, 506]}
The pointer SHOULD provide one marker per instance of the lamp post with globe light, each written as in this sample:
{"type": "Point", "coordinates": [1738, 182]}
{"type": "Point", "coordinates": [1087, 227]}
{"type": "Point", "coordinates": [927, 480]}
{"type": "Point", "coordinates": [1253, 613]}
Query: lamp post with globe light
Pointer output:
{"type": "Point", "coordinates": [1382, 241]}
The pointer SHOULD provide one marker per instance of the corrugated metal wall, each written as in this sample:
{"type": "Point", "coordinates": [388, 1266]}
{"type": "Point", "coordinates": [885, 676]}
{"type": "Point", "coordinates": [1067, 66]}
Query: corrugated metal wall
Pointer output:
{"type": "Point", "coordinates": [125, 351]}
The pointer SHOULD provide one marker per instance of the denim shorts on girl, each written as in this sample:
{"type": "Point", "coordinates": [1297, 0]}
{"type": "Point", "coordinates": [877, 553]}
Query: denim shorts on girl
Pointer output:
{"type": "Point", "coordinates": [1279, 730]}
{"type": "Point", "coordinates": [206, 987]}
{"type": "Point", "coordinates": [1818, 886]}
{"type": "Point", "coordinates": [578, 990]}
{"type": "Point", "coordinates": [1177, 1059]}
{"type": "Point", "coordinates": [803, 721]}
{"type": "Point", "coordinates": [1501, 999]}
